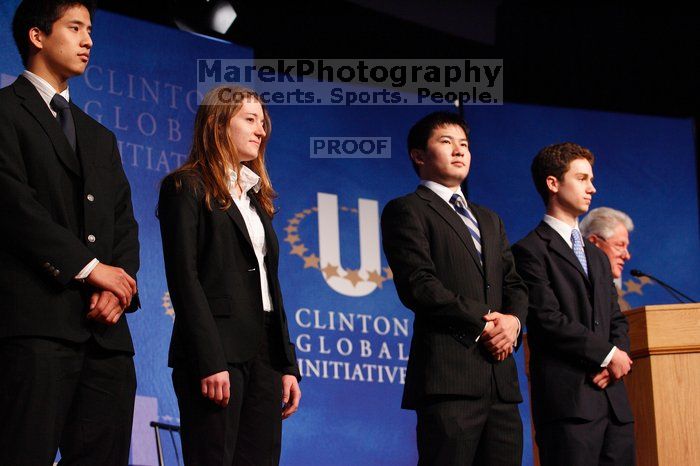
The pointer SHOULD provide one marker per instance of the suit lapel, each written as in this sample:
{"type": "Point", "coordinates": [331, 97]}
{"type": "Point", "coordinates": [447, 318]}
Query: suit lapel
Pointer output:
{"type": "Point", "coordinates": [35, 105]}
{"type": "Point", "coordinates": [270, 236]}
{"type": "Point", "coordinates": [85, 144]}
{"type": "Point", "coordinates": [559, 246]}
{"type": "Point", "coordinates": [237, 218]}
{"type": "Point", "coordinates": [486, 233]}
{"type": "Point", "coordinates": [454, 220]}
{"type": "Point", "coordinates": [593, 271]}
{"type": "Point", "coordinates": [272, 255]}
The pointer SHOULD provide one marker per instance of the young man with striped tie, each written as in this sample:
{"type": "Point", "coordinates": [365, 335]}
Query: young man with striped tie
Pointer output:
{"type": "Point", "coordinates": [577, 335]}
{"type": "Point", "coordinates": [453, 268]}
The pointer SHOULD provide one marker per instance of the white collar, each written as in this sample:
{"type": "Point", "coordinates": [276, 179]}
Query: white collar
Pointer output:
{"type": "Point", "coordinates": [45, 89]}
{"type": "Point", "coordinates": [444, 192]}
{"type": "Point", "coordinates": [563, 228]}
{"type": "Point", "coordinates": [249, 180]}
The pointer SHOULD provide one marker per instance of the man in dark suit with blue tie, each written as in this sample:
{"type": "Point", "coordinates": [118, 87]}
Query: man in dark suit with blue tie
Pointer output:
{"type": "Point", "coordinates": [453, 268]}
{"type": "Point", "coordinates": [577, 335]}
{"type": "Point", "coordinates": [69, 253]}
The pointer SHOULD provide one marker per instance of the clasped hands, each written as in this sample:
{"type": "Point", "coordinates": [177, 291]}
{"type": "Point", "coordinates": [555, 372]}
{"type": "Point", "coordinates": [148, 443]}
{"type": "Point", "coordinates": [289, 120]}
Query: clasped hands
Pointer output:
{"type": "Point", "coordinates": [113, 294]}
{"type": "Point", "coordinates": [500, 334]}
{"type": "Point", "coordinates": [619, 366]}
{"type": "Point", "coordinates": [217, 388]}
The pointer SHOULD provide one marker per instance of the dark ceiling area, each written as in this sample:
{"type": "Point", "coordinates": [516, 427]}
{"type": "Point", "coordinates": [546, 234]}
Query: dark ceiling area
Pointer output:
{"type": "Point", "coordinates": [606, 57]}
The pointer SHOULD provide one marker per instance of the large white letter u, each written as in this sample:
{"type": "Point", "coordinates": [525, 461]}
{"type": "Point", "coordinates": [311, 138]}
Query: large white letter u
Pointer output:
{"type": "Point", "coordinates": [329, 245]}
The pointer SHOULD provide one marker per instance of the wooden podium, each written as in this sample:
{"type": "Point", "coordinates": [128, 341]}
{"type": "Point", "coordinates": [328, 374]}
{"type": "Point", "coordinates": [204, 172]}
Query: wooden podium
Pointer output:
{"type": "Point", "coordinates": [664, 384]}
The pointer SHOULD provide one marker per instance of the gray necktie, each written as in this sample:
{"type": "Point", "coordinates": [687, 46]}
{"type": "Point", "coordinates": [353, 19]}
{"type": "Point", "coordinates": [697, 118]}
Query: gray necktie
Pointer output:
{"type": "Point", "coordinates": [64, 117]}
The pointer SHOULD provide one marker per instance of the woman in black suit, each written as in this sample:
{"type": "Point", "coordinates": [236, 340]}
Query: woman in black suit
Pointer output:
{"type": "Point", "coordinates": [234, 368]}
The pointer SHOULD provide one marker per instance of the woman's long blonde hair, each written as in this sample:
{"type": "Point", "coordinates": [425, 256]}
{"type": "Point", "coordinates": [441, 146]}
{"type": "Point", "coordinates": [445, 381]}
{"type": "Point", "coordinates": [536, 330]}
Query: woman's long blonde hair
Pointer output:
{"type": "Point", "coordinates": [213, 151]}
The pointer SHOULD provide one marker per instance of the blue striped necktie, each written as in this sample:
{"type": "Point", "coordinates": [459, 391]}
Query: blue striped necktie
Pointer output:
{"type": "Point", "coordinates": [469, 221]}
{"type": "Point", "coordinates": [577, 245]}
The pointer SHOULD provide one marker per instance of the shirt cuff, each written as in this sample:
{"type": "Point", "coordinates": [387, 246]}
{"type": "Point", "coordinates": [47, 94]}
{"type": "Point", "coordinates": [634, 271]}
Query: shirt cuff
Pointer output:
{"type": "Point", "coordinates": [477, 338]}
{"type": "Point", "coordinates": [609, 357]}
{"type": "Point", "coordinates": [520, 327]}
{"type": "Point", "coordinates": [87, 270]}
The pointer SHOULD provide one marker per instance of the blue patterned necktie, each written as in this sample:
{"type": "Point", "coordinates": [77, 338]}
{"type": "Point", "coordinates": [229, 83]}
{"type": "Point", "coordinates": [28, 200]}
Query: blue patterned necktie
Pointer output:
{"type": "Point", "coordinates": [469, 221]}
{"type": "Point", "coordinates": [577, 244]}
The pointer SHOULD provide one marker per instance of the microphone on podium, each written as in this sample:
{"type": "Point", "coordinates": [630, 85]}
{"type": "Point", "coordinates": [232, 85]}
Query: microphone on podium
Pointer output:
{"type": "Point", "coordinates": [671, 290]}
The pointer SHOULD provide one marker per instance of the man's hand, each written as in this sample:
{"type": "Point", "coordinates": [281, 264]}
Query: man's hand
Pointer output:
{"type": "Point", "coordinates": [217, 388]}
{"type": "Point", "coordinates": [291, 394]}
{"type": "Point", "coordinates": [501, 356]}
{"type": "Point", "coordinates": [500, 338]}
{"type": "Point", "coordinates": [114, 279]}
{"type": "Point", "coordinates": [619, 365]}
{"type": "Point", "coordinates": [602, 379]}
{"type": "Point", "coordinates": [105, 307]}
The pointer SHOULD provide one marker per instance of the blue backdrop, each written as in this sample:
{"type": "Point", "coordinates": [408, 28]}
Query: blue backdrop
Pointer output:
{"type": "Point", "coordinates": [352, 334]}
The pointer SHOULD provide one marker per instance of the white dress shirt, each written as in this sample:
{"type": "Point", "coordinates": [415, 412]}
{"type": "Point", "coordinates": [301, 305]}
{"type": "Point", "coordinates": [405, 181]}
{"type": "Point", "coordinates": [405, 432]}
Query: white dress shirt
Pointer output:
{"type": "Point", "coordinates": [46, 91]}
{"type": "Point", "coordinates": [250, 180]}
{"type": "Point", "coordinates": [444, 192]}
{"type": "Point", "coordinates": [564, 230]}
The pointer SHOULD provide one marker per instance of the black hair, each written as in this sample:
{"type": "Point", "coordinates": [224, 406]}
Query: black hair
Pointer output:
{"type": "Point", "coordinates": [41, 14]}
{"type": "Point", "coordinates": [421, 131]}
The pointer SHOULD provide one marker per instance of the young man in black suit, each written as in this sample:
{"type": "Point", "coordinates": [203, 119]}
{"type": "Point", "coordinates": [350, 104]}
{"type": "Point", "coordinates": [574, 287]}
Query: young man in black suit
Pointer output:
{"type": "Point", "coordinates": [69, 251]}
{"type": "Point", "coordinates": [453, 268]}
{"type": "Point", "coordinates": [576, 332]}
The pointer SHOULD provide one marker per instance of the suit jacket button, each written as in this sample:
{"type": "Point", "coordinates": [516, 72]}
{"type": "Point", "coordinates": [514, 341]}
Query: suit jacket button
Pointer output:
{"type": "Point", "coordinates": [56, 272]}
{"type": "Point", "coordinates": [91, 238]}
{"type": "Point", "coordinates": [46, 265]}
{"type": "Point", "coordinates": [90, 197]}
{"type": "Point", "coordinates": [596, 322]}
{"type": "Point", "coordinates": [488, 287]}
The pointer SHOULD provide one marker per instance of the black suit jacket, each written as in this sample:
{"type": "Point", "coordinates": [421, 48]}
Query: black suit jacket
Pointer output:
{"type": "Point", "coordinates": [573, 323]}
{"type": "Point", "coordinates": [438, 276]}
{"type": "Point", "coordinates": [214, 281]}
{"type": "Point", "coordinates": [48, 217]}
